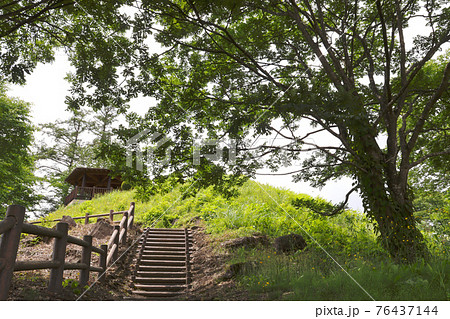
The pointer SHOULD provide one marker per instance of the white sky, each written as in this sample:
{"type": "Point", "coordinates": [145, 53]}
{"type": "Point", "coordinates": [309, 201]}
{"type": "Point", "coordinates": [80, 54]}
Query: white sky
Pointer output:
{"type": "Point", "coordinates": [46, 89]}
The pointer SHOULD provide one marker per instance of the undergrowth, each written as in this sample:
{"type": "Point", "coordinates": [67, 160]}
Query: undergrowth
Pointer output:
{"type": "Point", "coordinates": [339, 248]}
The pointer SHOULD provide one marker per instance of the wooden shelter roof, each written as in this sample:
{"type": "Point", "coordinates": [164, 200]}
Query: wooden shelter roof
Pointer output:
{"type": "Point", "coordinates": [97, 177]}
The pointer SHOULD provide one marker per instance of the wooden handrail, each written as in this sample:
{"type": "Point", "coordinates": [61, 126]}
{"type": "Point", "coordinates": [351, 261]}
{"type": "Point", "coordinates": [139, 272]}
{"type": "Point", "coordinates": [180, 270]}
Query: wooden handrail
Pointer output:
{"type": "Point", "coordinates": [40, 231]}
{"type": "Point", "coordinates": [86, 193]}
{"type": "Point", "coordinates": [78, 217]}
{"type": "Point", "coordinates": [13, 226]}
{"type": "Point", "coordinates": [112, 252]}
{"type": "Point", "coordinates": [113, 237]}
{"type": "Point", "coordinates": [77, 241]}
{"type": "Point", "coordinates": [34, 265]}
{"type": "Point", "coordinates": [97, 250]}
{"type": "Point", "coordinates": [8, 248]}
{"type": "Point", "coordinates": [7, 224]}
{"type": "Point", "coordinates": [73, 266]}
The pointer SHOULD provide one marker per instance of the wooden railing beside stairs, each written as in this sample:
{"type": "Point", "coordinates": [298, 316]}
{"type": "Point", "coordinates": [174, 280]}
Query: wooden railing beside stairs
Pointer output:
{"type": "Point", "coordinates": [13, 226]}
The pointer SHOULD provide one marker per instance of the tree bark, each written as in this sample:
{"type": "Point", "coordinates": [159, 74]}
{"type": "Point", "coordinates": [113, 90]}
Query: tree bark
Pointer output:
{"type": "Point", "coordinates": [393, 216]}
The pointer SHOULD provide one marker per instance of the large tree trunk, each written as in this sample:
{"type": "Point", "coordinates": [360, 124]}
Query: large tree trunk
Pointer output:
{"type": "Point", "coordinates": [393, 216]}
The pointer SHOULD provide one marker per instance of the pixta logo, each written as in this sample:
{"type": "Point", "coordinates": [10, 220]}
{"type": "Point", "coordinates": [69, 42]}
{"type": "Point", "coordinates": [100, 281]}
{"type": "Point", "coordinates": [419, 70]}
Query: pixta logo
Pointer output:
{"type": "Point", "coordinates": [144, 146]}
{"type": "Point", "coordinates": [134, 145]}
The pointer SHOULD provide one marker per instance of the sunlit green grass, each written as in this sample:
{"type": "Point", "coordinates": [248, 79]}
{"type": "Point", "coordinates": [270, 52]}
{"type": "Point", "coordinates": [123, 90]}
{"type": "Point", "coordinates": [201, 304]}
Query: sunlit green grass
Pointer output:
{"type": "Point", "coordinates": [306, 275]}
{"type": "Point", "coordinates": [312, 275]}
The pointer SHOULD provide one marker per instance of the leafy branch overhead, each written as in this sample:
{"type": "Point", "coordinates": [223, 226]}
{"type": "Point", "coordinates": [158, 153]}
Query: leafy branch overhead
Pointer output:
{"type": "Point", "coordinates": [326, 80]}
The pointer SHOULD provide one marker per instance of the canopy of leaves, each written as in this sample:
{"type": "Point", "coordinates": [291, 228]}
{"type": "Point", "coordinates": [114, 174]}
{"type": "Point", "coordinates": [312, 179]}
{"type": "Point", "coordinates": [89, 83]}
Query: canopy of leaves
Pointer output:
{"type": "Point", "coordinates": [16, 162]}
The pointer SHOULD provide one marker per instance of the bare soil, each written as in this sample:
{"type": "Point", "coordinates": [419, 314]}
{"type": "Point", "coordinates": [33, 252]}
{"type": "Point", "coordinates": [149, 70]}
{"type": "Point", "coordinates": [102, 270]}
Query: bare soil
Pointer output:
{"type": "Point", "coordinates": [208, 269]}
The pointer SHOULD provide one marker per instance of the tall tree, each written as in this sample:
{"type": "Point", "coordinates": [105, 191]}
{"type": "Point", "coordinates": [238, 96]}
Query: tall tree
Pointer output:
{"type": "Point", "coordinates": [30, 30]}
{"type": "Point", "coordinates": [431, 173]}
{"type": "Point", "coordinates": [59, 152]}
{"type": "Point", "coordinates": [74, 142]}
{"type": "Point", "coordinates": [234, 67]}
{"type": "Point", "coordinates": [16, 161]}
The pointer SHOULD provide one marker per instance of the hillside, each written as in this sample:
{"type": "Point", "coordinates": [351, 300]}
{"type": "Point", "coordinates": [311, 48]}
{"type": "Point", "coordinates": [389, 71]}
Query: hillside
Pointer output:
{"type": "Point", "coordinates": [344, 242]}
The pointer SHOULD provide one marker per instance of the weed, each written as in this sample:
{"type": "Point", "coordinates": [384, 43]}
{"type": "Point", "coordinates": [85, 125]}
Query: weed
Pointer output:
{"type": "Point", "coordinates": [308, 274]}
{"type": "Point", "coordinates": [74, 286]}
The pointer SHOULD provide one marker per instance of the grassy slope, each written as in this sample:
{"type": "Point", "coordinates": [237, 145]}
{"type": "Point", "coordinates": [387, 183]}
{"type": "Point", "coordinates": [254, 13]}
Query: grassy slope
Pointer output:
{"type": "Point", "coordinates": [307, 275]}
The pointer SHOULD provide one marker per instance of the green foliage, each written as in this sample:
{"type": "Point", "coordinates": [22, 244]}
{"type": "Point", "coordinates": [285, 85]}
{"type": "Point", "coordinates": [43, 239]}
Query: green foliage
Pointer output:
{"type": "Point", "coordinates": [310, 276]}
{"type": "Point", "coordinates": [321, 207]}
{"type": "Point", "coordinates": [100, 205]}
{"type": "Point", "coordinates": [259, 209]}
{"type": "Point", "coordinates": [74, 286]}
{"type": "Point", "coordinates": [433, 215]}
{"type": "Point", "coordinates": [239, 69]}
{"type": "Point", "coordinates": [305, 275]}
{"type": "Point", "coordinates": [432, 174]}
{"type": "Point", "coordinates": [74, 142]}
{"type": "Point", "coordinates": [30, 31]}
{"type": "Point", "coordinates": [16, 161]}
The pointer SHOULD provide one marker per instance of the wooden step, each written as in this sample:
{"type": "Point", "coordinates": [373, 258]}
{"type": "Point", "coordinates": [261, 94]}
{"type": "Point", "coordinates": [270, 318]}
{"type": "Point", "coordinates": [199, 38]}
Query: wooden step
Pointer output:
{"type": "Point", "coordinates": [157, 240]}
{"type": "Point", "coordinates": [166, 231]}
{"type": "Point", "coordinates": [164, 252]}
{"type": "Point", "coordinates": [163, 274]}
{"type": "Point", "coordinates": [157, 294]}
{"type": "Point", "coordinates": [162, 263]}
{"type": "Point", "coordinates": [161, 268]}
{"type": "Point", "coordinates": [163, 240]}
{"type": "Point", "coordinates": [166, 235]}
{"type": "Point", "coordinates": [164, 244]}
{"type": "Point", "coordinates": [165, 248]}
{"type": "Point", "coordinates": [145, 268]}
{"type": "Point", "coordinates": [169, 288]}
{"type": "Point", "coordinates": [148, 257]}
{"type": "Point", "coordinates": [180, 236]}
{"type": "Point", "coordinates": [160, 280]}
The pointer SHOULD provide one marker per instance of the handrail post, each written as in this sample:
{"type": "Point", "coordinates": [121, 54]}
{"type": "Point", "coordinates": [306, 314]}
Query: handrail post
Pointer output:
{"type": "Point", "coordinates": [116, 242]}
{"type": "Point", "coordinates": [124, 239]}
{"type": "Point", "coordinates": [102, 262]}
{"type": "Point", "coordinates": [8, 248]}
{"type": "Point", "coordinates": [111, 215]}
{"type": "Point", "coordinates": [86, 219]}
{"type": "Point", "coordinates": [86, 259]}
{"type": "Point", "coordinates": [132, 214]}
{"type": "Point", "coordinates": [59, 255]}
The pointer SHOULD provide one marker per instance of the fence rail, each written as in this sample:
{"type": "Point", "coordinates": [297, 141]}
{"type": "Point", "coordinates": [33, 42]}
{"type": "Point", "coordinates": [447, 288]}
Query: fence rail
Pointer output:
{"type": "Point", "coordinates": [85, 193]}
{"type": "Point", "coordinates": [13, 226]}
{"type": "Point", "coordinates": [86, 217]}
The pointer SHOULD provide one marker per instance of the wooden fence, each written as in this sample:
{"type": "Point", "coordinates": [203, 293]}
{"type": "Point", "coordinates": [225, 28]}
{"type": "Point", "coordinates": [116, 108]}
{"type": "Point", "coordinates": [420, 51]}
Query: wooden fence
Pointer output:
{"type": "Point", "coordinates": [87, 216]}
{"type": "Point", "coordinates": [86, 193]}
{"type": "Point", "coordinates": [13, 226]}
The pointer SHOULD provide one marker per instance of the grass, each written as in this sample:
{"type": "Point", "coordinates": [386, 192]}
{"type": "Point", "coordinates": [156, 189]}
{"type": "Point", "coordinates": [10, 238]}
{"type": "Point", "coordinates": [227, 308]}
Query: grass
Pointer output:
{"type": "Point", "coordinates": [118, 201]}
{"type": "Point", "coordinates": [306, 275]}
{"type": "Point", "coordinates": [310, 275]}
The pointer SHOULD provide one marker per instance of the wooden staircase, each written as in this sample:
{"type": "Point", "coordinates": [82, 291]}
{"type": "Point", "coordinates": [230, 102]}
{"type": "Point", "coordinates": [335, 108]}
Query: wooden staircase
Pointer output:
{"type": "Point", "coordinates": [163, 266]}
